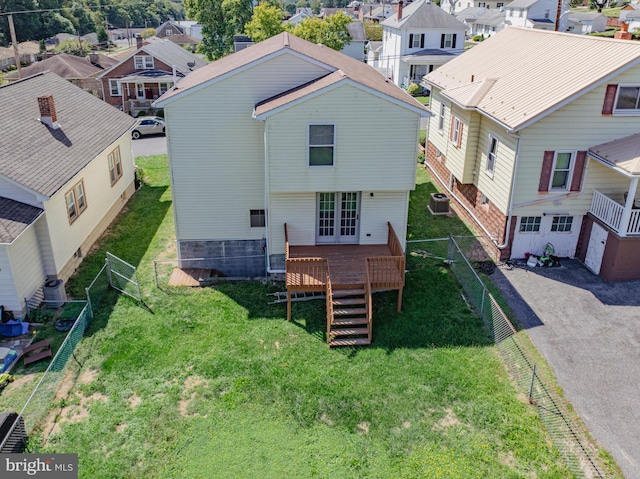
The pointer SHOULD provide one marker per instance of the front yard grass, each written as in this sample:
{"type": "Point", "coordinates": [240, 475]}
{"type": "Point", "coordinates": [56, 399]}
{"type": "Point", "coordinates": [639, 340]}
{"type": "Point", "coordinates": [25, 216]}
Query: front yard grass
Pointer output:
{"type": "Point", "coordinates": [215, 383]}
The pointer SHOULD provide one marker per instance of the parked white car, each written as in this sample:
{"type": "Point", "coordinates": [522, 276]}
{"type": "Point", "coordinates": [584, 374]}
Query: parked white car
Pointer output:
{"type": "Point", "coordinates": [148, 125]}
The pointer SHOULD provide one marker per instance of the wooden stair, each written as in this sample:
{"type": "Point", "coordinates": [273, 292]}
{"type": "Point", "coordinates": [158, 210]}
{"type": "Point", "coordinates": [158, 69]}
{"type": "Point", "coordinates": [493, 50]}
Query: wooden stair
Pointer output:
{"type": "Point", "coordinates": [348, 318]}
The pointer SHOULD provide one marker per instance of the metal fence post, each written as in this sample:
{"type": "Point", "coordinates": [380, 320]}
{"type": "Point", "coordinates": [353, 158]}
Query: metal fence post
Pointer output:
{"type": "Point", "coordinates": [533, 378]}
{"type": "Point", "coordinates": [482, 305]}
{"type": "Point", "coordinates": [108, 265]}
{"type": "Point", "coordinates": [86, 290]}
{"type": "Point", "coordinates": [450, 252]}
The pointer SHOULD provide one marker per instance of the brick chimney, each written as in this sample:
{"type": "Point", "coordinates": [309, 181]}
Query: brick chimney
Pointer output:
{"type": "Point", "coordinates": [94, 58]}
{"type": "Point", "coordinates": [399, 10]}
{"type": "Point", "coordinates": [138, 41]}
{"type": "Point", "coordinates": [48, 112]}
{"type": "Point", "coordinates": [623, 33]}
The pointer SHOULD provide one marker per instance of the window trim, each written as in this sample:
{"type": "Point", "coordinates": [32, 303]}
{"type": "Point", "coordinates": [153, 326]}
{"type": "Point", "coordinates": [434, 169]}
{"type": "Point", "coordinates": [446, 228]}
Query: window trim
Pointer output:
{"type": "Point", "coordinates": [572, 163]}
{"type": "Point", "coordinates": [73, 194]}
{"type": "Point", "coordinates": [441, 119]}
{"type": "Point", "coordinates": [257, 218]}
{"type": "Point", "coordinates": [535, 224]}
{"type": "Point", "coordinates": [118, 87]}
{"type": "Point", "coordinates": [492, 155]}
{"type": "Point", "coordinates": [114, 162]}
{"type": "Point", "coordinates": [309, 146]}
{"type": "Point", "coordinates": [450, 35]}
{"type": "Point", "coordinates": [562, 225]}
{"type": "Point", "coordinates": [143, 59]}
{"type": "Point", "coordinates": [456, 130]}
{"type": "Point", "coordinates": [625, 111]}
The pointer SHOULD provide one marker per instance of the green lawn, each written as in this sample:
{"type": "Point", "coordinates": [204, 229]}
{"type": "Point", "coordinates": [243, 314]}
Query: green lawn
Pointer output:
{"type": "Point", "coordinates": [215, 383]}
{"type": "Point", "coordinates": [422, 99]}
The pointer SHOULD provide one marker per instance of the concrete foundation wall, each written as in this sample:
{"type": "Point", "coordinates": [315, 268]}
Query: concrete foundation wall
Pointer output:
{"type": "Point", "coordinates": [233, 258]}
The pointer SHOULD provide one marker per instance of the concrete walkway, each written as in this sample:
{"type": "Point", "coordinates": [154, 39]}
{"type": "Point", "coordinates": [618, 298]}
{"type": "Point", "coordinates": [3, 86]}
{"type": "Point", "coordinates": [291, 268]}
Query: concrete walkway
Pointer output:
{"type": "Point", "coordinates": [589, 332]}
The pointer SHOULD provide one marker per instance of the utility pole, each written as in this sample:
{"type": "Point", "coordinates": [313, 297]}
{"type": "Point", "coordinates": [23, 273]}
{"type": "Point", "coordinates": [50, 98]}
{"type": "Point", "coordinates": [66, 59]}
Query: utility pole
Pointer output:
{"type": "Point", "coordinates": [15, 45]}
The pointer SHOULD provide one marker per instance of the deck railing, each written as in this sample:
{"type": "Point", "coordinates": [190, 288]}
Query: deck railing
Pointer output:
{"type": "Point", "coordinates": [286, 242]}
{"type": "Point", "coordinates": [606, 210]}
{"type": "Point", "coordinates": [393, 242]}
{"type": "Point", "coordinates": [329, 299]}
{"type": "Point", "coordinates": [610, 212]}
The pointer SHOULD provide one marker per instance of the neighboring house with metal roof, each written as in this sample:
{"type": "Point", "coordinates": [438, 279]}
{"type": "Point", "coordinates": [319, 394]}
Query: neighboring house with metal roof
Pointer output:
{"type": "Point", "coordinates": [538, 14]}
{"type": "Point", "coordinates": [418, 39]}
{"type": "Point", "coordinates": [68, 174]}
{"type": "Point", "coordinates": [586, 22]}
{"type": "Point", "coordinates": [81, 71]}
{"type": "Point", "coordinates": [489, 23]}
{"type": "Point", "coordinates": [145, 73]}
{"type": "Point", "coordinates": [294, 147]}
{"type": "Point", "coordinates": [543, 148]}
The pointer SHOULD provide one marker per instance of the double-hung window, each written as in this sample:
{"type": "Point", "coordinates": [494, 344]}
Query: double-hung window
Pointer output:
{"type": "Point", "coordinates": [561, 176]}
{"type": "Point", "coordinates": [628, 100]}
{"type": "Point", "coordinates": [322, 145]}
{"type": "Point", "coordinates": [115, 166]}
{"type": "Point", "coordinates": [115, 89]}
{"type": "Point", "coordinates": [492, 153]}
{"type": "Point", "coordinates": [143, 62]}
{"type": "Point", "coordinates": [164, 87]}
{"type": "Point", "coordinates": [76, 202]}
{"type": "Point", "coordinates": [443, 111]}
{"type": "Point", "coordinates": [448, 40]}
{"type": "Point", "coordinates": [456, 131]}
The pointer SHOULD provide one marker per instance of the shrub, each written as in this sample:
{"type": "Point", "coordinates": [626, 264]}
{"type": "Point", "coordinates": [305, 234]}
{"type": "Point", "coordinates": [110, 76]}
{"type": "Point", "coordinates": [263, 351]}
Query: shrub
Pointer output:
{"type": "Point", "coordinates": [477, 38]}
{"type": "Point", "coordinates": [421, 157]}
{"type": "Point", "coordinates": [414, 89]}
{"type": "Point", "coordinates": [423, 137]}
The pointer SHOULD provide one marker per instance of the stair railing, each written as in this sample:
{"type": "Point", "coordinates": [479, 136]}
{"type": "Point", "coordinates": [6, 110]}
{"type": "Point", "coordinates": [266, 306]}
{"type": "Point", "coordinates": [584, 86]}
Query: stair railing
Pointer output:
{"type": "Point", "coordinates": [329, 299]}
{"type": "Point", "coordinates": [367, 289]}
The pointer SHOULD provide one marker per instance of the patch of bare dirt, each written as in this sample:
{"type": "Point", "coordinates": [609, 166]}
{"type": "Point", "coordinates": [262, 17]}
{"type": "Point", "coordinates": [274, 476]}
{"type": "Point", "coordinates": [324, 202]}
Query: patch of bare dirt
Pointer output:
{"type": "Point", "coordinates": [121, 427]}
{"type": "Point", "coordinates": [363, 427]}
{"type": "Point", "coordinates": [326, 419]}
{"type": "Point", "coordinates": [134, 401]}
{"type": "Point", "coordinates": [446, 422]}
{"type": "Point", "coordinates": [72, 413]}
{"type": "Point", "coordinates": [20, 382]}
{"type": "Point", "coordinates": [189, 395]}
{"type": "Point", "coordinates": [88, 376]}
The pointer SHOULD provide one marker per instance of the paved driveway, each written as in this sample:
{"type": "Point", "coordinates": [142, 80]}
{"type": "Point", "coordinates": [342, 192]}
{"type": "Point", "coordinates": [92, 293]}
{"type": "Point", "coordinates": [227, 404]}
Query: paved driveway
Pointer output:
{"type": "Point", "coordinates": [589, 332]}
{"type": "Point", "coordinates": [149, 145]}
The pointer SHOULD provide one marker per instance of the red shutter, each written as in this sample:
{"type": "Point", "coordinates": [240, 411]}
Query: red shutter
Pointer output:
{"type": "Point", "coordinates": [609, 98]}
{"type": "Point", "coordinates": [545, 176]}
{"type": "Point", "coordinates": [460, 135]}
{"type": "Point", "coordinates": [578, 171]}
{"type": "Point", "coordinates": [453, 121]}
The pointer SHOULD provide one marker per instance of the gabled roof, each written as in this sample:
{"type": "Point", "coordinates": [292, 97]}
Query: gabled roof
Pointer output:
{"type": "Point", "coordinates": [44, 160]}
{"type": "Point", "coordinates": [285, 42]}
{"type": "Point", "coordinates": [423, 14]}
{"type": "Point", "coordinates": [492, 17]}
{"type": "Point", "coordinates": [470, 13]}
{"type": "Point", "coordinates": [69, 67]}
{"type": "Point", "coordinates": [182, 39]}
{"type": "Point", "coordinates": [356, 31]}
{"type": "Point", "coordinates": [623, 153]}
{"type": "Point", "coordinates": [171, 24]}
{"type": "Point", "coordinates": [584, 16]}
{"type": "Point", "coordinates": [536, 71]}
{"type": "Point", "coordinates": [168, 53]}
{"type": "Point", "coordinates": [520, 4]}
{"type": "Point", "coordinates": [15, 217]}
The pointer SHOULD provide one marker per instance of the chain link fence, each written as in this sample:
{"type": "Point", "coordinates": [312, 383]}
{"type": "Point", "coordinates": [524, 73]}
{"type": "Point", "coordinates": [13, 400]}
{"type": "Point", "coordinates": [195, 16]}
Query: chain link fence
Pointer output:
{"type": "Point", "coordinates": [37, 414]}
{"type": "Point", "coordinates": [466, 260]}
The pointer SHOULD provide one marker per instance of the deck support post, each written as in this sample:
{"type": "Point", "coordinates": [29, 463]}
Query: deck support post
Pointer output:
{"type": "Point", "coordinates": [288, 305]}
{"type": "Point", "coordinates": [400, 300]}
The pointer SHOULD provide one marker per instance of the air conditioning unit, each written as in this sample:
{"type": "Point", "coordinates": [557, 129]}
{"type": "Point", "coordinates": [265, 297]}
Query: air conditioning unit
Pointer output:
{"type": "Point", "coordinates": [438, 204]}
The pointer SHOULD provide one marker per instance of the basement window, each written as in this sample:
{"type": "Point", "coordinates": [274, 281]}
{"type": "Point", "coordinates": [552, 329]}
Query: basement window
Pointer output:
{"type": "Point", "coordinates": [257, 218]}
{"type": "Point", "coordinates": [530, 224]}
{"type": "Point", "coordinates": [562, 224]}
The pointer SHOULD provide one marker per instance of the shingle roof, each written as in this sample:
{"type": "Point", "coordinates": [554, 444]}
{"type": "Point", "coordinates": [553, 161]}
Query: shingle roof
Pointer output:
{"type": "Point", "coordinates": [520, 4]}
{"type": "Point", "coordinates": [43, 159]}
{"type": "Point", "coordinates": [424, 14]}
{"type": "Point", "coordinates": [356, 31]}
{"type": "Point", "coordinates": [69, 67]}
{"type": "Point", "coordinates": [623, 153]}
{"type": "Point", "coordinates": [355, 70]}
{"type": "Point", "coordinates": [182, 39]}
{"type": "Point", "coordinates": [582, 16]}
{"type": "Point", "coordinates": [15, 217]}
{"type": "Point", "coordinates": [535, 70]}
{"type": "Point", "coordinates": [172, 54]}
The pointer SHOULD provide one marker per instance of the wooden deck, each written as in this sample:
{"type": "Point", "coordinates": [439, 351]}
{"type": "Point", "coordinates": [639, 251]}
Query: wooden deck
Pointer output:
{"type": "Point", "coordinates": [347, 263]}
{"type": "Point", "coordinates": [188, 276]}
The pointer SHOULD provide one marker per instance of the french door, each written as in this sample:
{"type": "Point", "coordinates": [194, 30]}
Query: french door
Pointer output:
{"type": "Point", "coordinates": [338, 217]}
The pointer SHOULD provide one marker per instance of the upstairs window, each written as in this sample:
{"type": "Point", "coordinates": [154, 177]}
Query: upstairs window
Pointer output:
{"type": "Point", "coordinates": [115, 166]}
{"type": "Point", "coordinates": [76, 202]}
{"type": "Point", "coordinates": [561, 177]}
{"type": "Point", "coordinates": [448, 40]}
{"type": "Point", "coordinates": [416, 40]}
{"type": "Point", "coordinates": [115, 89]}
{"type": "Point", "coordinates": [455, 135]}
{"type": "Point", "coordinates": [321, 145]}
{"type": "Point", "coordinates": [628, 99]}
{"type": "Point", "coordinates": [168, 32]}
{"type": "Point", "coordinates": [443, 111]}
{"type": "Point", "coordinates": [143, 62]}
{"type": "Point", "coordinates": [492, 152]}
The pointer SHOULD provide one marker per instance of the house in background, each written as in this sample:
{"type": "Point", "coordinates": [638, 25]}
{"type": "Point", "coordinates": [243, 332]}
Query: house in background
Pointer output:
{"type": "Point", "coordinates": [170, 28]}
{"type": "Point", "coordinates": [265, 171]}
{"type": "Point", "coordinates": [633, 21]}
{"type": "Point", "coordinates": [184, 41]}
{"type": "Point", "coordinates": [81, 71]}
{"type": "Point", "coordinates": [489, 23]}
{"type": "Point", "coordinates": [145, 73]}
{"type": "Point", "coordinates": [69, 173]}
{"type": "Point", "coordinates": [537, 14]}
{"type": "Point", "coordinates": [544, 148]}
{"type": "Point", "coordinates": [454, 7]}
{"type": "Point", "coordinates": [376, 12]}
{"type": "Point", "coordinates": [301, 14]}
{"type": "Point", "coordinates": [586, 22]}
{"type": "Point", "coordinates": [358, 39]}
{"type": "Point", "coordinates": [418, 39]}
{"type": "Point", "coordinates": [29, 52]}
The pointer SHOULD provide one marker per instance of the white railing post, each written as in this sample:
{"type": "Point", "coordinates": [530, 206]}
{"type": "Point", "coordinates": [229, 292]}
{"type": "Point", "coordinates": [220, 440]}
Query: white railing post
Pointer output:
{"type": "Point", "coordinates": [628, 205]}
{"type": "Point", "coordinates": [606, 210]}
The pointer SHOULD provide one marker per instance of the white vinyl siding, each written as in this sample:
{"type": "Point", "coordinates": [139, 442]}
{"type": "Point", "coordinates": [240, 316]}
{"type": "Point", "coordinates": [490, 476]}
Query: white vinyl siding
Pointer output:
{"type": "Point", "coordinates": [215, 156]}
{"type": "Point", "coordinates": [561, 132]}
{"type": "Point", "coordinates": [27, 264]}
{"type": "Point", "coordinates": [376, 210]}
{"type": "Point", "coordinates": [360, 164]}
{"type": "Point", "coordinates": [8, 294]}
{"type": "Point", "coordinates": [101, 197]}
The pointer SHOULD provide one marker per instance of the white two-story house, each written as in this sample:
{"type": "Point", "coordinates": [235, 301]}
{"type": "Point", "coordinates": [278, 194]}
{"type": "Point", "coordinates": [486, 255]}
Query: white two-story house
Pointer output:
{"type": "Point", "coordinates": [544, 148]}
{"type": "Point", "coordinates": [538, 14]}
{"type": "Point", "coordinates": [419, 38]}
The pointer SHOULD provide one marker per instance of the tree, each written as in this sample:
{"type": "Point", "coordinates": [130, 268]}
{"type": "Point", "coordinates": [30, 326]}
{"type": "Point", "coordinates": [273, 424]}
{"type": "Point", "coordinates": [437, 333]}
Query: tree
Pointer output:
{"type": "Point", "coordinates": [373, 31]}
{"type": "Point", "coordinates": [147, 33]}
{"type": "Point", "coordinates": [330, 31]}
{"type": "Point", "coordinates": [74, 47]}
{"type": "Point", "coordinates": [215, 40]}
{"type": "Point", "coordinates": [290, 8]}
{"type": "Point", "coordinates": [237, 14]}
{"type": "Point", "coordinates": [265, 23]}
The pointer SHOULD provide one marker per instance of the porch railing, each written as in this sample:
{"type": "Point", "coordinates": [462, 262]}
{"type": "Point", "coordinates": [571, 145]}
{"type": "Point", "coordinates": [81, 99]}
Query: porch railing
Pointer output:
{"type": "Point", "coordinates": [610, 212]}
{"type": "Point", "coordinates": [393, 242]}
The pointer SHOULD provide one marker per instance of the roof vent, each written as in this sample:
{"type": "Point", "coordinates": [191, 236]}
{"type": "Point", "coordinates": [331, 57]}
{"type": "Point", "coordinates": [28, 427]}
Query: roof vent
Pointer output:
{"type": "Point", "coordinates": [48, 112]}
